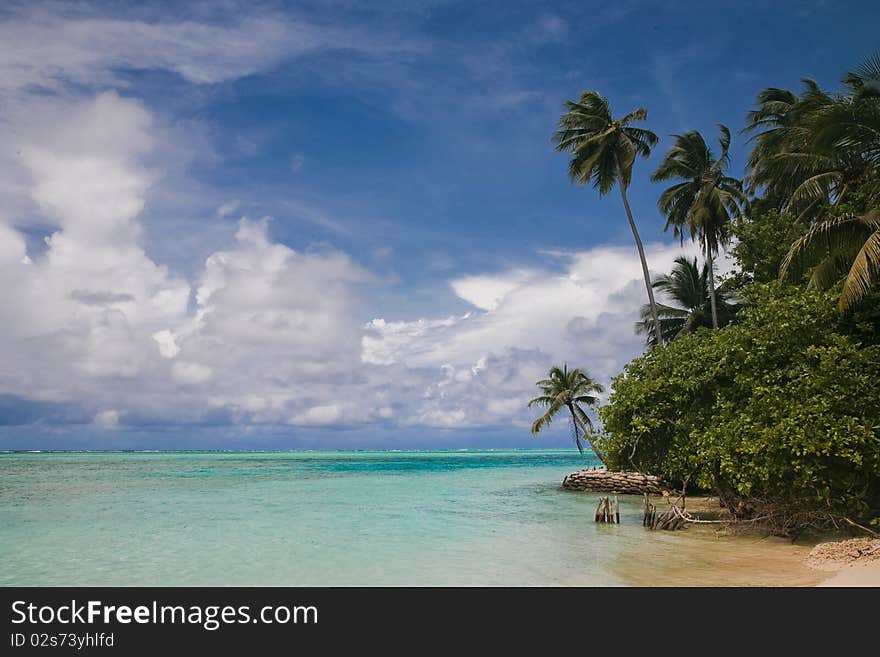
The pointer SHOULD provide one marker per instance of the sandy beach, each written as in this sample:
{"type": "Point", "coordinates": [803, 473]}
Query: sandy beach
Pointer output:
{"type": "Point", "coordinates": [857, 574]}
{"type": "Point", "coordinates": [853, 562]}
{"type": "Point", "coordinates": [709, 557]}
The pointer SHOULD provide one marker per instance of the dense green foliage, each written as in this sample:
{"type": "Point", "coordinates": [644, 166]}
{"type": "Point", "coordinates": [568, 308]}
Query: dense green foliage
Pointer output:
{"type": "Point", "coordinates": [780, 410]}
{"type": "Point", "coordinates": [762, 244]}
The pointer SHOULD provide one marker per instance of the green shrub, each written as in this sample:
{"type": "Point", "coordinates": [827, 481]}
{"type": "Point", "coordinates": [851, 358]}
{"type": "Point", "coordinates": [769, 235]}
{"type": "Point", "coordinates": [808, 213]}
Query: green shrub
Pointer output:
{"type": "Point", "coordinates": [780, 410]}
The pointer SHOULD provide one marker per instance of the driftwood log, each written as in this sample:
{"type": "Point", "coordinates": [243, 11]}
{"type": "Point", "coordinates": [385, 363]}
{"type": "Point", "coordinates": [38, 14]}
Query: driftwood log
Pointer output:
{"type": "Point", "coordinates": [674, 518]}
{"type": "Point", "coordinates": [618, 483]}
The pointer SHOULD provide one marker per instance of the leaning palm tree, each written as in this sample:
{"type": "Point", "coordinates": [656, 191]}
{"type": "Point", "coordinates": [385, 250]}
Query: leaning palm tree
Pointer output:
{"type": "Point", "coordinates": [688, 286]}
{"type": "Point", "coordinates": [704, 200]}
{"type": "Point", "coordinates": [847, 246]}
{"type": "Point", "coordinates": [565, 388]}
{"type": "Point", "coordinates": [604, 150]}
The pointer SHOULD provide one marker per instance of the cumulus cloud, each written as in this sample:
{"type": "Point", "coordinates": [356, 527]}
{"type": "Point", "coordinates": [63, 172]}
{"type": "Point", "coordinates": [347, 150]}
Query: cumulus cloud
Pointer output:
{"type": "Point", "coordinates": [479, 368]}
{"type": "Point", "coordinates": [264, 333]}
{"type": "Point", "coordinates": [78, 308]}
{"type": "Point", "coordinates": [259, 332]}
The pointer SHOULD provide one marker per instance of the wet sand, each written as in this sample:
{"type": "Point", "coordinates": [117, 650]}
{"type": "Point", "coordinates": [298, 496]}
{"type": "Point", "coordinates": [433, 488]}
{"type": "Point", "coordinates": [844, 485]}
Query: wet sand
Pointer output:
{"type": "Point", "coordinates": [705, 555]}
{"type": "Point", "coordinates": [699, 556]}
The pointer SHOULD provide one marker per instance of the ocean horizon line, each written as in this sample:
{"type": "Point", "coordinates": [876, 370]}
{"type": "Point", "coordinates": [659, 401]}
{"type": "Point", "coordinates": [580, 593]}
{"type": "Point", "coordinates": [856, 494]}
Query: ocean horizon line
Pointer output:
{"type": "Point", "coordinates": [282, 451]}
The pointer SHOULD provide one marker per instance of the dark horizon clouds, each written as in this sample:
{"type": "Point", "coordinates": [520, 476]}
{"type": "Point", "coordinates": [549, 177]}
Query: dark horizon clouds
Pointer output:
{"type": "Point", "coordinates": [340, 224]}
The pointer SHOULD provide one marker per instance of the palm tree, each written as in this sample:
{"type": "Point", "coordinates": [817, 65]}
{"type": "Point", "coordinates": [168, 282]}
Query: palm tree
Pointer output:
{"type": "Point", "coordinates": [782, 160]}
{"type": "Point", "coordinates": [811, 151]}
{"type": "Point", "coordinates": [703, 202]}
{"type": "Point", "coordinates": [604, 150]}
{"type": "Point", "coordinates": [847, 246]}
{"type": "Point", "coordinates": [569, 389]}
{"type": "Point", "coordinates": [688, 286]}
{"type": "Point", "coordinates": [845, 132]}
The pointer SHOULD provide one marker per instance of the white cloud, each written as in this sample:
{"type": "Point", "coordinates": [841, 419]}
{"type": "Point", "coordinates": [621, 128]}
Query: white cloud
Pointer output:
{"type": "Point", "coordinates": [486, 292]}
{"type": "Point", "coordinates": [264, 333]}
{"type": "Point", "coordinates": [167, 343]}
{"type": "Point", "coordinates": [191, 373]}
{"type": "Point", "coordinates": [480, 368]}
{"type": "Point", "coordinates": [386, 343]}
{"type": "Point", "coordinates": [49, 50]}
{"type": "Point", "coordinates": [96, 322]}
{"type": "Point", "coordinates": [261, 332]}
{"type": "Point", "coordinates": [319, 415]}
{"type": "Point", "coordinates": [80, 308]}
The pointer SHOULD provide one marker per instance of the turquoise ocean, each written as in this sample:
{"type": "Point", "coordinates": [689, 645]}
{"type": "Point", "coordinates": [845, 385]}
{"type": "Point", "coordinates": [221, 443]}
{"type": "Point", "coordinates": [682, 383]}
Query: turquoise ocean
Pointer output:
{"type": "Point", "coordinates": [340, 518]}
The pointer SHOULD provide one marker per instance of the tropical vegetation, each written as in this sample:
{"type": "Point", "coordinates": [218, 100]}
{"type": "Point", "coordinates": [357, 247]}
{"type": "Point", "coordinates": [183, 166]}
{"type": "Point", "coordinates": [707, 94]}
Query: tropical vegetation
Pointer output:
{"type": "Point", "coordinates": [778, 414]}
{"type": "Point", "coordinates": [762, 389]}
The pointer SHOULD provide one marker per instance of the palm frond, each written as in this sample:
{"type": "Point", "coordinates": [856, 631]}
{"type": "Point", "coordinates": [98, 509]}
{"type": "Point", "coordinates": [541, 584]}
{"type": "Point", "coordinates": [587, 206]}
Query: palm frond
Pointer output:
{"type": "Point", "coordinates": [546, 418]}
{"type": "Point", "coordinates": [863, 275]}
{"type": "Point", "coordinates": [838, 234]}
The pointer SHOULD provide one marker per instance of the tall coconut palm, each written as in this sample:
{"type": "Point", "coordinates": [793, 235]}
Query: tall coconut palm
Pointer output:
{"type": "Point", "coordinates": [847, 246]}
{"type": "Point", "coordinates": [568, 389]}
{"type": "Point", "coordinates": [704, 200]}
{"type": "Point", "coordinates": [604, 150]}
{"type": "Point", "coordinates": [688, 286]}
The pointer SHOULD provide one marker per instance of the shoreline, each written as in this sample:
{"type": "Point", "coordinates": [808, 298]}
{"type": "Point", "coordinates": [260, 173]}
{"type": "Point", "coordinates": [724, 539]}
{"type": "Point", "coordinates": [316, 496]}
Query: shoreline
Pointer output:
{"type": "Point", "coordinates": [852, 562]}
{"type": "Point", "coordinates": [854, 575]}
{"type": "Point", "coordinates": [830, 561]}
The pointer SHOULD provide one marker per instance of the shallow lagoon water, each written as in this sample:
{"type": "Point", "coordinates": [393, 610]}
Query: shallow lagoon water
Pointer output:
{"type": "Point", "coordinates": [345, 518]}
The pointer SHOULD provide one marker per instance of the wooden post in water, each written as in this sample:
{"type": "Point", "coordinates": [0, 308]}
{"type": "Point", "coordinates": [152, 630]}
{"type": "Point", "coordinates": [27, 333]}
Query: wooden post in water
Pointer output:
{"type": "Point", "coordinates": [604, 512]}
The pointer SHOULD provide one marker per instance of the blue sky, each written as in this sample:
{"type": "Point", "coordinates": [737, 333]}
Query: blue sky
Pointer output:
{"type": "Point", "coordinates": [332, 224]}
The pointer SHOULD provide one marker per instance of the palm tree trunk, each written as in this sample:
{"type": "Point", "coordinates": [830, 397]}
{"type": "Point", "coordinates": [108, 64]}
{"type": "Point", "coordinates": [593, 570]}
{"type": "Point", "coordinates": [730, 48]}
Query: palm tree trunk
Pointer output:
{"type": "Point", "coordinates": [635, 232]}
{"type": "Point", "coordinates": [592, 446]}
{"type": "Point", "coordinates": [712, 301]}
